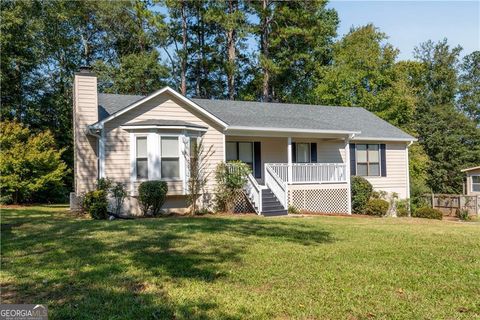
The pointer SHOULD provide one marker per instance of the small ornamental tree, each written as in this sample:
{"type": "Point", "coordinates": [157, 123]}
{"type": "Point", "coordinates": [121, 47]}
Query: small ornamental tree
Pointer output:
{"type": "Point", "coordinates": [29, 162]}
{"type": "Point", "coordinates": [231, 178]}
{"type": "Point", "coordinates": [197, 163]}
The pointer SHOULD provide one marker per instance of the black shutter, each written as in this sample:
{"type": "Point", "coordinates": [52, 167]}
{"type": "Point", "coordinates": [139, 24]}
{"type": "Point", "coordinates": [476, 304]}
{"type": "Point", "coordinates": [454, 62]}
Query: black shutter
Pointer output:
{"type": "Point", "coordinates": [353, 160]}
{"type": "Point", "coordinates": [383, 160]}
{"type": "Point", "coordinates": [313, 152]}
{"type": "Point", "coordinates": [294, 152]}
{"type": "Point", "coordinates": [257, 159]}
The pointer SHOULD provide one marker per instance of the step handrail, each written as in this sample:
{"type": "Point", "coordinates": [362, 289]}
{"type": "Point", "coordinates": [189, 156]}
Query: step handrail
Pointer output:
{"type": "Point", "coordinates": [254, 192]}
{"type": "Point", "coordinates": [276, 185]}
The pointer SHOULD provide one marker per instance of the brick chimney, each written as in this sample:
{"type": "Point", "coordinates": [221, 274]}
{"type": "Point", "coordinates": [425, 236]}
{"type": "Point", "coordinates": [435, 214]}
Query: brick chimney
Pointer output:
{"type": "Point", "coordinates": [85, 113]}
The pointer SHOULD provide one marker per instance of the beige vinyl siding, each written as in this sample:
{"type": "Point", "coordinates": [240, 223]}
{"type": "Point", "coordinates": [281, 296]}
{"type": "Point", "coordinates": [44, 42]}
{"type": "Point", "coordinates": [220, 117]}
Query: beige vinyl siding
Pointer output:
{"type": "Point", "coordinates": [165, 107]}
{"type": "Point", "coordinates": [470, 174]}
{"type": "Point", "coordinates": [85, 150]}
{"type": "Point", "coordinates": [397, 171]}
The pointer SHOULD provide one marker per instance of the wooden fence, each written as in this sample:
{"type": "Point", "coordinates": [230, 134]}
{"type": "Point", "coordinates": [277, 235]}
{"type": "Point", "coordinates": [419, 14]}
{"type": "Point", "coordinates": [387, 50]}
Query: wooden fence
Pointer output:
{"type": "Point", "coordinates": [450, 203]}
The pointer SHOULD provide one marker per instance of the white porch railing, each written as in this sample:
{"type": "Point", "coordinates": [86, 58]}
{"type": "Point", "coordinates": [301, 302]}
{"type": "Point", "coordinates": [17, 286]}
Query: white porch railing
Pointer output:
{"type": "Point", "coordinates": [277, 185]}
{"type": "Point", "coordinates": [311, 172]}
{"type": "Point", "coordinates": [254, 192]}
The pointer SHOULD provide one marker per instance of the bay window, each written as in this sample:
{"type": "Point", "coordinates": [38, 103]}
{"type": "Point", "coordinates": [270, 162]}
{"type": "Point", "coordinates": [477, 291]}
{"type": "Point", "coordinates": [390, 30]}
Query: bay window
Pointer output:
{"type": "Point", "coordinates": [141, 158]}
{"type": "Point", "coordinates": [170, 158]}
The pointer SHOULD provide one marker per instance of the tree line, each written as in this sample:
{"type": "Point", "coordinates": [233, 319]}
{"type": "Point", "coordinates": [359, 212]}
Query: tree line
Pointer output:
{"type": "Point", "coordinates": [261, 50]}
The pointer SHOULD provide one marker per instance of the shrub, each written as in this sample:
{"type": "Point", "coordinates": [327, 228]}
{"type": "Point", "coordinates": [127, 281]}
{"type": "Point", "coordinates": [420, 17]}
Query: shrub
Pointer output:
{"type": "Point", "coordinates": [427, 213]}
{"type": "Point", "coordinates": [361, 193]}
{"type": "Point", "coordinates": [292, 209]}
{"type": "Point", "coordinates": [104, 184]}
{"type": "Point", "coordinates": [230, 178]}
{"type": "Point", "coordinates": [95, 203]}
{"type": "Point", "coordinates": [462, 214]}
{"type": "Point", "coordinates": [118, 192]}
{"type": "Point", "coordinates": [402, 208]}
{"type": "Point", "coordinates": [379, 195]}
{"type": "Point", "coordinates": [376, 207]}
{"type": "Point", "coordinates": [151, 196]}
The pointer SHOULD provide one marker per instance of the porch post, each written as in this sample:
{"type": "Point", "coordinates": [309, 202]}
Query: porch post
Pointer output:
{"type": "Point", "coordinates": [347, 173]}
{"type": "Point", "coordinates": [289, 154]}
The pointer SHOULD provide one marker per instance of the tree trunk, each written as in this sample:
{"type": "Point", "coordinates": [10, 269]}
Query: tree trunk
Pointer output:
{"type": "Point", "coordinates": [265, 53]}
{"type": "Point", "coordinates": [231, 35]}
{"type": "Point", "coordinates": [183, 71]}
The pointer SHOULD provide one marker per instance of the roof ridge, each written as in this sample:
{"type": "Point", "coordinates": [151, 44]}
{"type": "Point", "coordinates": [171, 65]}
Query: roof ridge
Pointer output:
{"type": "Point", "coordinates": [281, 103]}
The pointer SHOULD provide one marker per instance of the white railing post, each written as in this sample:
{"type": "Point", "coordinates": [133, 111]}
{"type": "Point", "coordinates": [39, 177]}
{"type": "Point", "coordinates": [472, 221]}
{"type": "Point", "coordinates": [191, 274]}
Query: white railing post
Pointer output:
{"type": "Point", "coordinates": [289, 158]}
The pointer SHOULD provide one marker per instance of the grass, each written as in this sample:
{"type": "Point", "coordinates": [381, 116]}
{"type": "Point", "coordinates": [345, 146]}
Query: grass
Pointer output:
{"type": "Point", "coordinates": [240, 267]}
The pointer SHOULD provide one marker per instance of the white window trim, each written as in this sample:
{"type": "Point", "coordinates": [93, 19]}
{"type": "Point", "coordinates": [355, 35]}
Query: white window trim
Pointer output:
{"type": "Point", "coordinates": [379, 160]}
{"type": "Point", "coordinates": [471, 186]}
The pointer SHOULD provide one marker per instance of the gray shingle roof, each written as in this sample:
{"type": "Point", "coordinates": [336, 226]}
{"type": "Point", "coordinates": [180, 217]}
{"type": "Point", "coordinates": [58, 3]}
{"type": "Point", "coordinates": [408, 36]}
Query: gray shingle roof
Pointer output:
{"type": "Point", "coordinates": [161, 122]}
{"type": "Point", "coordinates": [282, 115]}
{"type": "Point", "coordinates": [111, 103]}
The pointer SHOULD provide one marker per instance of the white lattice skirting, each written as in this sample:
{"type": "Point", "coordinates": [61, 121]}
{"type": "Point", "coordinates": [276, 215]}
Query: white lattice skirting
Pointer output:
{"type": "Point", "coordinates": [325, 199]}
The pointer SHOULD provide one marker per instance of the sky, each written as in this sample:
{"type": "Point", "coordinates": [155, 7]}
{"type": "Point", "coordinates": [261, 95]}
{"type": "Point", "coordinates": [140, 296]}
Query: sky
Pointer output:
{"type": "Point", "coordinates": [409, 23]}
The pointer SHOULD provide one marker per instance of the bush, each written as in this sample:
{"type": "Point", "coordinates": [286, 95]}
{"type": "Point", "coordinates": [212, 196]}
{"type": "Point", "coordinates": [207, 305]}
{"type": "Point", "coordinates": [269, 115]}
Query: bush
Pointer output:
{"type": "Point", "coordinates": [402, 208]}
{"type": "Point", "coordinates": [376, 207]}
{"type": "Point", "coordinates": [427, 213]}
{"type": "Point", "coordinates": [95, 203]}
{"type": "Point", "coordinates": [292, 209]}
{"type": "Point", "coordinates": [151, 196]}
{"type": "Point", "coordinates": [104, 184]}
{"type": "Point", "coordinates": [462, 214]}
{"type": "Point", "coordinates": [118, 192]}
{"type": "Point", "coordinates": [361, 193]}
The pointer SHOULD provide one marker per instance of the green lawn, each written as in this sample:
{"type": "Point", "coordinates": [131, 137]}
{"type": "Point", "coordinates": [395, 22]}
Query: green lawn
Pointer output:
{"type": "Point", "coordinates": [240, 267]}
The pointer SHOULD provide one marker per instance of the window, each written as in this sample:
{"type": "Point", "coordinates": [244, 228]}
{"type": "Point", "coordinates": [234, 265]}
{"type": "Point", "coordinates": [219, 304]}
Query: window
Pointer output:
{"type": "Point", "coordinates": [475, 183]}
{"type": "Point", "coordinates": [242, 151]}
{"type": "Point", "coordinates": [303, 152]}
{"type": "Point", "coordinates": [368, 160]}
{"type": "Point", "coordinates": [193, 146]}
{"type": "Point", "coordinates": [170, 160]}
{"type": "Point", "coordinates": [232, 154]}
{"type": "Point", "coordinates": [141, 158]}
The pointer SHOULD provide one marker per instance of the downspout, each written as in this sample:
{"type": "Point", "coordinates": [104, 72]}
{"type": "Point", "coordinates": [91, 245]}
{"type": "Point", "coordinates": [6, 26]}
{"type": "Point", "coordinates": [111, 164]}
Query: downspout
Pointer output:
{"type": "Point", "coordinates": [100, 135]}
{"type": "Point", "coordinates": [348, 169]}
{"type": "Point", "coordinates": [408, 177]}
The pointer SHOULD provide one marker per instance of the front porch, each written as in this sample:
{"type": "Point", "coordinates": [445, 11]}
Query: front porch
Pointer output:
{"type": "Point", "coordinates": [311, 174]}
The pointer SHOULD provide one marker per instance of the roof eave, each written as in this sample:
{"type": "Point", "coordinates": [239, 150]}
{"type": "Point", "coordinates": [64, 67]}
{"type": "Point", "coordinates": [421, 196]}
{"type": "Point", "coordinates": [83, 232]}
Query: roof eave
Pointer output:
{"type": "Point", "coordinates": [411, 139]}
{"type": "Point", "coordinates": [289, 130]}
{"type": "Point", "coordinates": [153, 126]}
{"type": "Point", "coordinates": [470, 169]}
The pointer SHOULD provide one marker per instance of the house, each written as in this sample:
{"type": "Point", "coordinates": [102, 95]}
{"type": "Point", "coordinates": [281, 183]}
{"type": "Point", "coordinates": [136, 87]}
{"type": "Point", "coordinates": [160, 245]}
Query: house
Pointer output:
{"type": "Point", "coordinates": [472, 185]}
{"type": "Point", "coordinates": [300, 155]}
